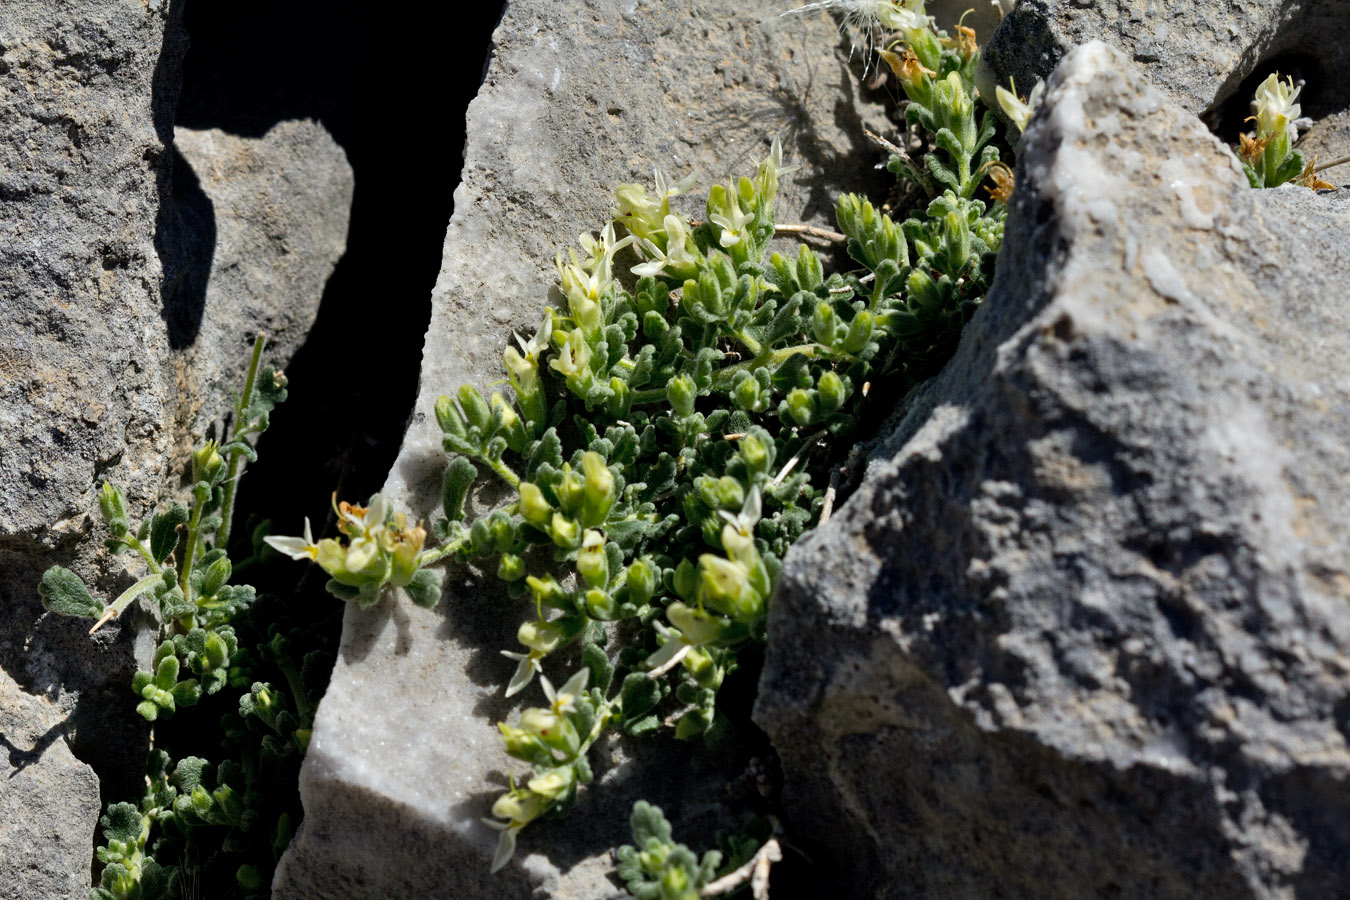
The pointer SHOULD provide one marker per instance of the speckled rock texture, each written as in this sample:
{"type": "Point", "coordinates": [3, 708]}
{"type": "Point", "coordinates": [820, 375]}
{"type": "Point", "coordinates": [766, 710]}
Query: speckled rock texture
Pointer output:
{"type": "Point", "coordinates": [49, 805]}
{"type": "Point", "coordinates": [131, 290]}
{"type": "Point", "coordinates": [578, 98]}
{"type": "Point", "coordinates": [1205, 56]}
{"type": "Point", "coordinates": [1083, 630]}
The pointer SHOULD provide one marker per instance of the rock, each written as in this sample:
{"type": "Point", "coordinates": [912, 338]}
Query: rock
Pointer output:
{"type": "Point", "coordinates": [578, 98]}
{"type": "Point", "coordinates": [121, 338]}
{"type": "Point", "coordinates": [49, 806]}
{"type": "Point", "coordinates": [1082, 631]}
{"type": "Point", "coordinates": [270, 217]}
{"type": "Point", "coordinates": [1197, 52]}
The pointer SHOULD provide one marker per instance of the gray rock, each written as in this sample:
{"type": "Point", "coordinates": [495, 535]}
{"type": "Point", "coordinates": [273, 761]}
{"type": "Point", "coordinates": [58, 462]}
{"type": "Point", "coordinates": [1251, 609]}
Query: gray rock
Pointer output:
{"type": "Point", "coordinates": [1196, 52]}
{"type": "Point", "coordinates": [278, 210]}
{"type": "Point", "coordinates": [49, 805]}
{"type": "Point", "coordinates": [131, 290]}
{"type": "Point", "coordinates": [578, 98]}
{"type": "Point", "coordinates": [1082, 631]}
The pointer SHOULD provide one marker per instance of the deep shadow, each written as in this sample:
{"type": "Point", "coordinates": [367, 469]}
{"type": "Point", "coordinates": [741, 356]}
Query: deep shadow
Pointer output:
{"type": "Point", "coordinates": [392, 92]}
{"type": "Point", "coordinates": [185, 238]}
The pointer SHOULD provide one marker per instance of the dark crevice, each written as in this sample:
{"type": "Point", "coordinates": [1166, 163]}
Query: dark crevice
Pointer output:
{"type": "Point", "coordinates": [395, 103]}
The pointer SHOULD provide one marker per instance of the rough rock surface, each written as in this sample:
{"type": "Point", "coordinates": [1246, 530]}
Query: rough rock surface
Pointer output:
{"type": "Point", "coordinates": [578, 98]}
{"type": "Point", "coordinates": [1083, 629]}
{"type": "Point", "coordinates": [115, 345]}
{"type": "Point", "coordinates": [49, 806]}
{"type": "Point", "coordinates": [1197, 52]}
{"type": "Point", "coordinates": [268, 218]}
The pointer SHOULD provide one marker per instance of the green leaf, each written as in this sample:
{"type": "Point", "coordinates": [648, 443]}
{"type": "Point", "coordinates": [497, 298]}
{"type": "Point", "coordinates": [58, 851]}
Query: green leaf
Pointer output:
{"type": "Point", "coordinates": [594, 658]}
{"type": "Point", "coordinates": [639, 695]}
{"type": "Point", "coordinates": [63, 592]}
{"type": "Point", "coordinates": [425, 587]}
{"type": "Point", "coordinates": [164, 531]}
{"type": "Point", "coordinates": [122, 823]}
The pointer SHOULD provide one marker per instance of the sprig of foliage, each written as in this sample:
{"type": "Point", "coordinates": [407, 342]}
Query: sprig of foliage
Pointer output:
{"type": "Point", "coordinates": [188, 576]}
{"type": "Point", "coordinates": [667, 438]}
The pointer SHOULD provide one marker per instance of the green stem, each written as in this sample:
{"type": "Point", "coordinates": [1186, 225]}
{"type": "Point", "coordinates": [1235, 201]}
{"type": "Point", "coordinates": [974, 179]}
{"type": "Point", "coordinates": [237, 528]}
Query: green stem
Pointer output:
{"type": "Point", "coordinates": [200, 494]}
{"type": "Point", "coordinates": [429, 557]}
{"type": "Point", "coordinates": [124, 599]}
{"type": "Point", "coordinates": [722, 380]}
{"type": "Point", "coordinates": [303, 706]}
{"type": "Point", "coordinates": [139, 546]}
{"type": "Point", "coordinates": [236, 456]}
{"type": "Point", "coordinates": [505, 471]}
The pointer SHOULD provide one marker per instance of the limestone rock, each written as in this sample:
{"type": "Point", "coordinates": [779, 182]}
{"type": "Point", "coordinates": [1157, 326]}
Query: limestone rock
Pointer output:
{"type": "Point", "coordinates": [1197, 52]}
{"type": "Point", "coordinates": [1083, 629]}
{"type": "Point", "coordinates": [49, 805]}
{"type": "Point", "coordinates": [578, 98]}
{"type": "Point", "coordinates": [267, 218]}
{"type": "Point", "coordinates": [131, 290]}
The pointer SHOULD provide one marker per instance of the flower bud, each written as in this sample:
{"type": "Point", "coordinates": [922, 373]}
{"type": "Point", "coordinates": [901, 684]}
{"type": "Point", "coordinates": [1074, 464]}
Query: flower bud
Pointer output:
{"type": "Point", "coordinates": [859, 332]}
{"type": "Point", "coordinates": [686, 579]}
{"type": "Point", "coordinates": [566, 533]}
{"type": "Point", "coordinates": [510, 567]}
{"type": "Point", "coordinates": [520, 743]}
{"type": "Point", "coordinates": [745, 393]}
{"type": "Point", "coordinates": [448, 417]}
{"type": "Point", "coordinates": [522, 373]}
{"type": "Point", "coordinates": [681, 393]}
{"type": "Point", "coordinates": [552, 784]}
{"type": "Point", "coordinates": [641, 581]}
{"type": "Point", "coordinates": [831, 389]}
{"type": "Point", "coordinates": [569, 490]}
{"type": "Point", "coordinates": [533, 506]}
{"type": "Point", "coordinates": [216, 575]}
{"type": "Point", "coordinates": [823, 322]}
{"type": "Point", "coordinates": [591, 560]}
{"type": "Point", "coordinates": [598, 495]}
{"type": "Point", "coordinates": [757, 450]}
{"type": "Point", "coordinates": [207, 463]}
{"type": "Point", "coordinates": [725, 586]}
{"type": "Point", "coordinates": [699, 626]}
{"type": "Point", "coordinates": [547, 592]}
{"type": "Point", "coordinates": [600, 605]}
{"type": "Point", "coordinates": [801, 406]}
{"type": "Point", "coordinates": [475, 407]}
{"type": "Point", "coordinates": [519, 807]}
{"type": "Point", "coordinates": [114, 508]}
{"type": "Point", "coordinates": [544, 637]}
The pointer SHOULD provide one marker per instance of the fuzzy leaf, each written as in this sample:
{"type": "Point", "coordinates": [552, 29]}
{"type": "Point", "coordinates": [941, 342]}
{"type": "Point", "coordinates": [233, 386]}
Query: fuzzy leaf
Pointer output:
{"type": "Point", "coordinates": [63, 592]}
{"type": "Point", "coordinates": [164, 531]}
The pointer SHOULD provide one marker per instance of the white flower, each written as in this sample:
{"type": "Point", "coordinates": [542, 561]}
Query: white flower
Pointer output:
{"type": "Point", "coordinates": [564, 701]}
{"type": "Point", "coordinates": [733, 224]}
{"type": "Point", "coordinates": [1275, 107]}
{"type": "Point", "coordinates": [1020, 113]}
{"type": "Point", "coordinates": [529, 665]}
{"type": "Point", "coordinates": [296, 548]}
{"type": "Point", "coordinates": [871, 16]}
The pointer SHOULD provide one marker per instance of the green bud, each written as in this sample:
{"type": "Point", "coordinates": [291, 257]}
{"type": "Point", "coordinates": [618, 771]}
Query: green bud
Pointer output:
{"type": "Point", "coordinates": [546, 591]}
{"type": "Point", "coordinates": [641, 581]}
{"type": "Point", "coordinates": [745, 394]}
{"type": "Point", "coordinates": [699, 664]}
{"type": "Point", "coordinates": [114, 508]}
{"type": "Point", "coordinates": [207, 463]}
{"type": "Point", "coordinates": [823, 323]}
{"type": "Point", "coordinates": [512, 429]}
{"type": "Point", "coordinates": [217, 574]}
{"type": "Point", "coordinates": [510, 567]}
{"type": "Point", "coordinates": [475, 407]}
{"type": "Point", "coordinates": [859, 332]}
{"type": "Point", "coordinates": [686, 579]}
{"type": "Point", "coordinates": [449, 417]}
{"type": "Point", "coordinates": [553, 783]}
{"type": "Point", "coordinates": [591, 560]}
{"type": "Point", "coordinates": [459, 477]}
{"type": "Point", "coordinates": [757, 450]}
{"type": "Point", "coordinates": [520, 743]}
{"type": "Point", "coordinates": [699, 626]}
{"type": "Point", "coordinates": [544, 637]}
{"type": "Point", "coordinates": [519, 807]}
{"type": "Point", "coordinates": [832, 392]}
{"type": "Point", "coordinates": [681, 393]}
{"type": "Point", "coordinates": [692, 724]}
{"type": "Point", "coordinates": [801, 406]}
{"type": "Point", "coordinates": [598, 496]}
{"type": "Point", "coordinates": [600, 605]}
{"type": "Point", "coordinates": [533, 506]}
{"type": "Point", "coordinates": [725, 586]}
{"type": "Point", "coordinates": [569, 489]}
{"type": "Point", "coordinates": [566, 533]}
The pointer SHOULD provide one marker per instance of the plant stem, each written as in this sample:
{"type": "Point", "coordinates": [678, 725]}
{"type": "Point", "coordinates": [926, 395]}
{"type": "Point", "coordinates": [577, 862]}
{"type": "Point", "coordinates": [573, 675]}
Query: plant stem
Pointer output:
{"type": "Point", "coordinates": [124, 600]}
{"type": "Point", "coordinates": [200, 494]}
{"type": "Point", "coordinates": [236, 456]}
{"type": "Point", "coordinates": [429, 557]}
{"type": "Point", "coordinates": [722, 380]}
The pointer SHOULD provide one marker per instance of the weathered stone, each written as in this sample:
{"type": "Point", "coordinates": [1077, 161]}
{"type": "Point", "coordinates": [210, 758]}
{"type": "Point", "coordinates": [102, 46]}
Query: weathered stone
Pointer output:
{"type": "Point", "coordinates": [578, 98]}
{"type": "Point", "coordinates": [1083, 629]}
{"type": "Point", "coordinates": [268, 218]}
{"type": "Point", "coordinates": [49, 805]}
{"type": "Point", "coordinates": [1196, 52]}
{"type": "Point", "coordinates": [120, 339]}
